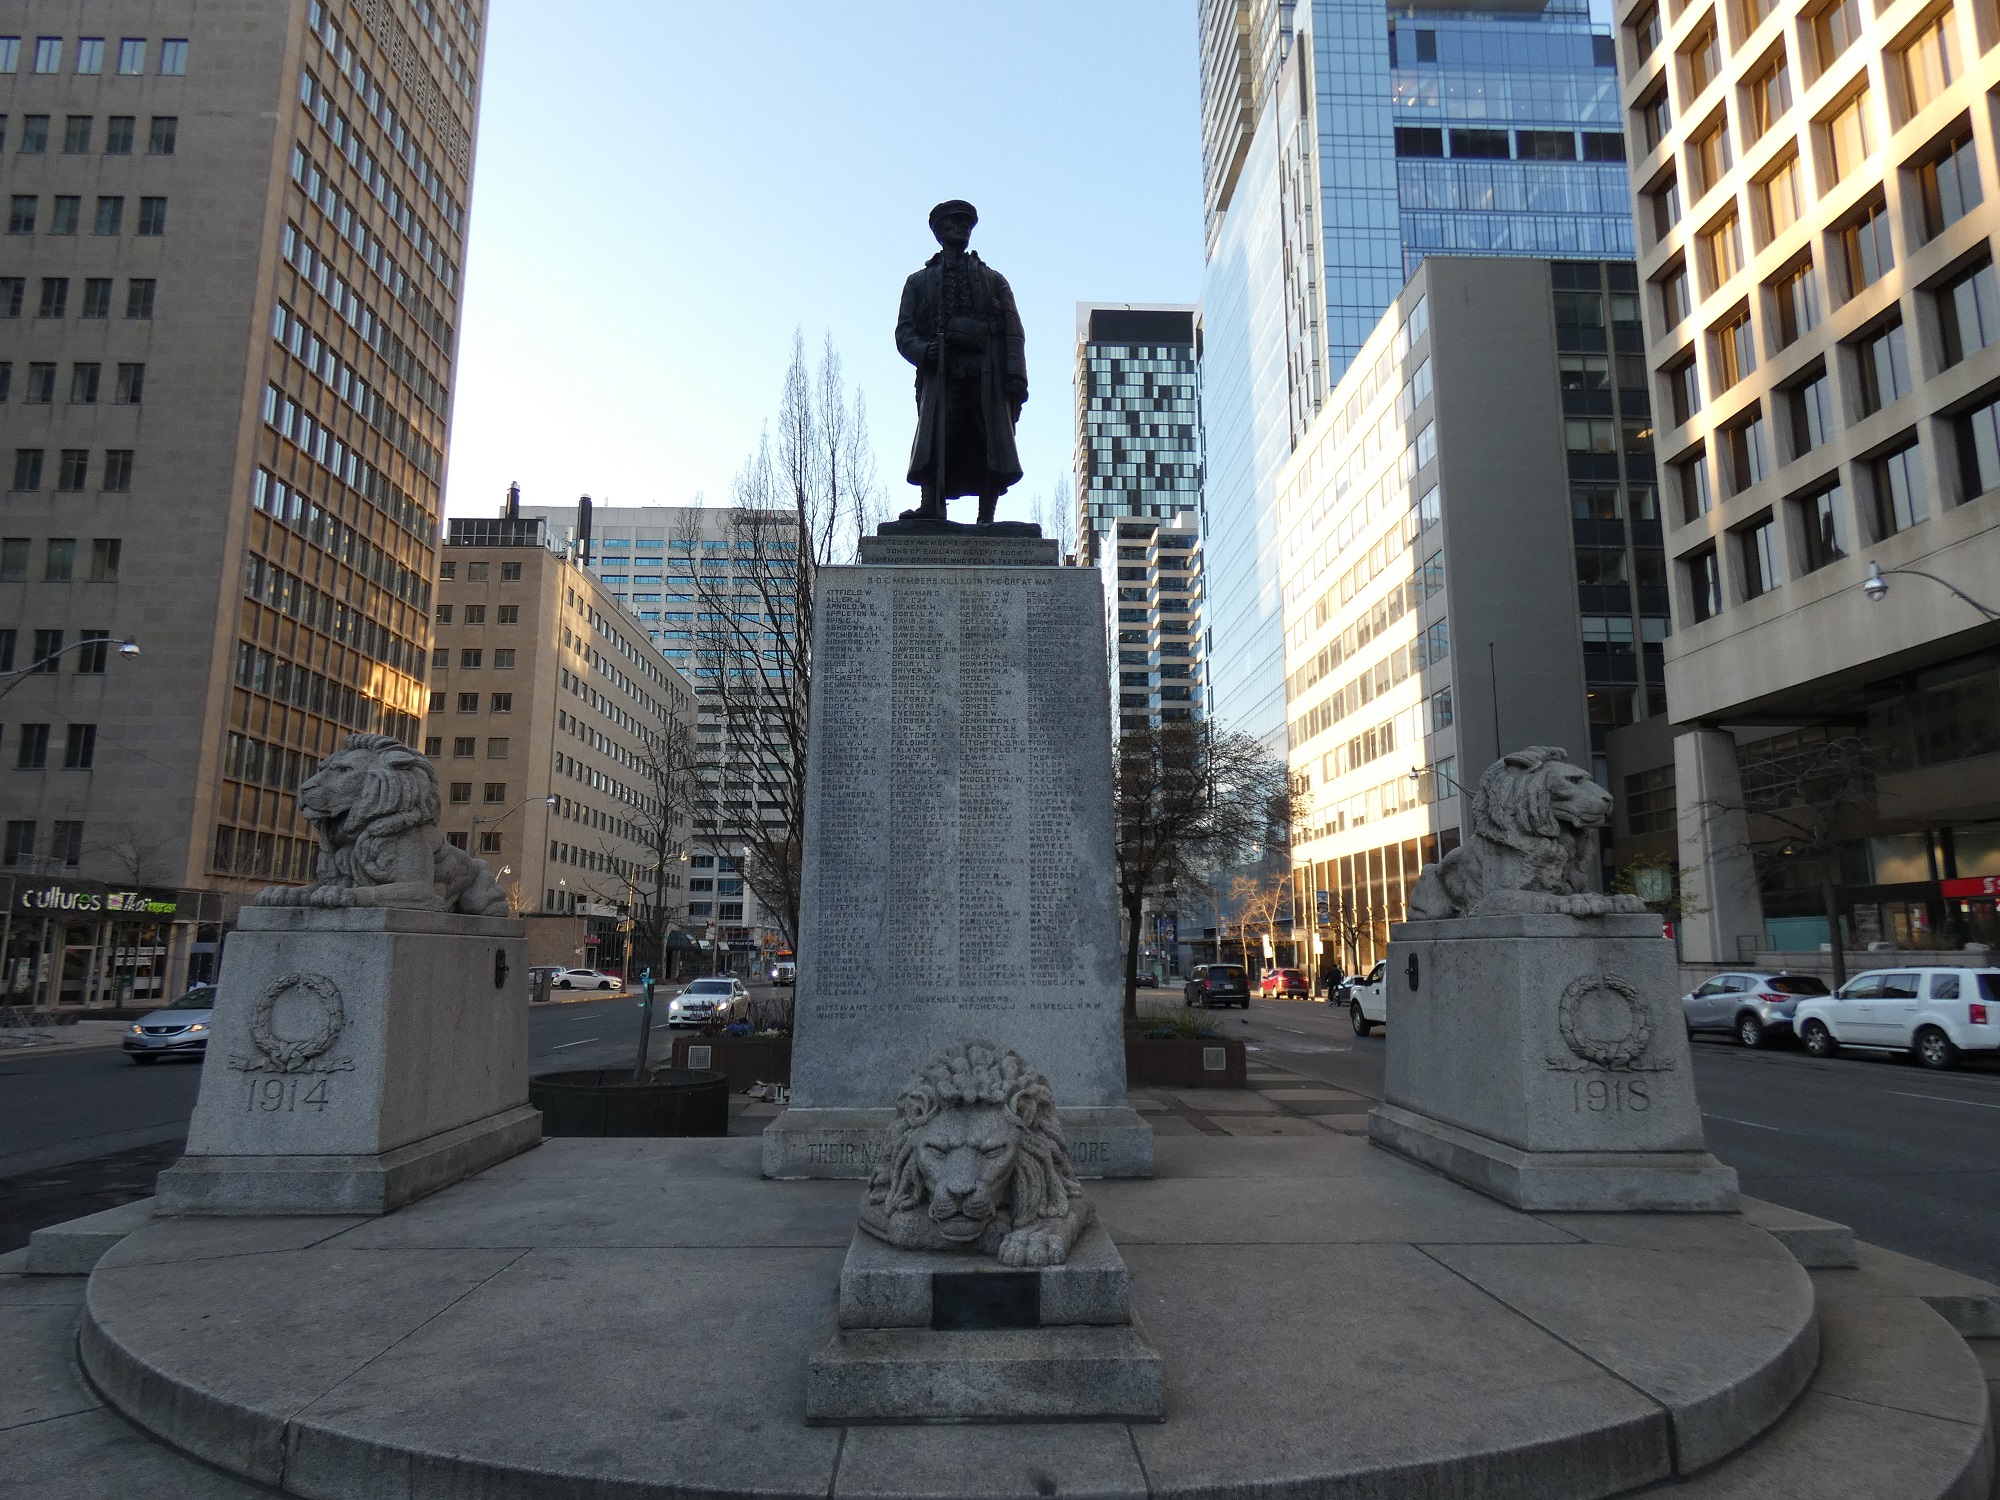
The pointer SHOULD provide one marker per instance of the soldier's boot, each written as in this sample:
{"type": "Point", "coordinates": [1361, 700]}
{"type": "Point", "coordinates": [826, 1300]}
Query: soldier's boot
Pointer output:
{"type": "Point", "coordinates": [987, 504]}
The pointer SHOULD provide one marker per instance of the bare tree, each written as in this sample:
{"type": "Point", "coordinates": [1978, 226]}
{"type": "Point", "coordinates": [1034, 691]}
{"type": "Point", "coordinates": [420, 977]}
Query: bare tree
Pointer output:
{"type": "Point", "coordinates": [1263, 902]}
{"type": "Point", "coordinates": [1190, 801]}
{"type": "Point", "coordinates": [802, 501]}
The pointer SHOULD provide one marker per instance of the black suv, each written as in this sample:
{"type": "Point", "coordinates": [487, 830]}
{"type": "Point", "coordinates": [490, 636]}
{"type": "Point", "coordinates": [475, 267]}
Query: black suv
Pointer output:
{"type": "Point", "coordinates": [1219, 984]}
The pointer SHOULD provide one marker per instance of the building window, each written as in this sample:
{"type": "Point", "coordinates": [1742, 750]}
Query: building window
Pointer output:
{"type": "Point", "coordinates": [173, 57]}
{"type": "Point", "coordinates": [1545, 145]}
{"type": "Point", "coordinates": [1709, 154]}
{"type": "Point", "coordinates": [1847, 136]}
{"type": "Point", "coordinates": [76, 135]}
{"type": "Point", "coordinates": [469, 660]}
{"type": "Point", "coordinates": [20, 843]}
{"type": "Point", "coordinates": [1885, 367]}
{"type": "Point", "coordinates": [80, 753]}
{"type": "Point", "coordinates": [97, 297]}
{"type": "Point", "coordinates": [104, 553]}
{"type": "Point", "coordinates": [1702, 57]}
{"type": "Point", "coordinates": [468, 703]}
{"type": "Point", "coordinates": [434, 745]}
{"type": "Point", "coordinates": [48, 648]}
{"type": "Point", "coordinates": [132, 55]}
{"type": "Point", "coordinates": [12, 292]}
{"type": "Point", "coordinates": [13, 569]}
{"type": "Point", "coordinates": [1684, 389]}
{"type": "Point", "coordinates": [41, 383]}
{"type": "Point", "coordinates": [1968, 312]}
{"type": "Point", "coordinates": [1656, 117]}
{"type": "Point", "coordinates": [475, 614]}
{"type": "Point", "coordinates": [55, 297]}
{"type": "Point", "coordinates": [496, 749]}
{"type": "Point", "coordinates": [48, 54]}
{"type": "Point", "coordinates": [1721, 248]}
{"type": "Point", "coordinates": [1979, 449]}
{"type": "Point", "coordinates": [503, 659]}
{"type": "Point", "coordinates": [1481, 145]}
{"type": "Point", "coordinates": [437, 700]}
{"type": "Point", "coordinates": [477, 572]}
{"type": "Point", "coordinates": [117, 470]}
{"type": "Point", "coordinates": [510, 573]}
{"type": "Point", "coordinates": [34, 134]}
{"type": "Point", "coordinates": [161, 137]}
{"type": "Point", "coordinates": [463, 746]}
{"type": "Point", "coordinates": [110, 220]}
{"type": "Point", "coordinates": [461, 791]}
{"type": "Point", "coordinates": [90, 54]}
{"type": "Point", "coordinates": [1650, 802]}
{"type": "Point", "coordinates": [489, 841]}
{"type": "Point", "coordinates": [503, 703]}
{"type": "Point", "coordinates": [1865, 247]}
{"type": "Point", "coordinates": [1901, 499]}
{"type": "Point", "coordinates": [73, 470]}
{"type": "Point", "coordinates": [496, 791]}
{"type": "Point", "coordinates": [118, 135]}
{"type": "Point", "coordinates": [1770, 93]}
{"type": "Point", "coordinates": [59, 563]}
{"type": "Point", "coordinates": [1948, 185]}
{"type": "Point", "coordinates": [447, 571]}
{"type": "Point", "coordinates": [27, 469]}
{"type": "Point", "coordinates": [21, 213]}
{"type": "Point", "coordinates": [456, 840]}
{"type": "Point", "coordinates": [131, 387]}
{"type": "Point", "coordinates": [1782, 197]}
{"type": "Point", "coordinates": [1745, 455]}
{"type": "Point", "coordinates": [1735, 352]}
{"type": "Point", "coordinates": [1704, 578]}
{"type": "Point", "coordinates": [1928, 63]}
{"type": "Point", "coordinates": [152, 216]}
{"type": "Point", "coordinates": [1665, 196]}
{"type": "Point", "coordinates": [1676, 300]}
{"type": "Point", "coordinates": [139, 297]}
{"type": "Point", "coordinates": [444, 614]}
{"type": "Point", "coordinates": [1757, 553]}
{"type": "Point", "coordinates": [1691, 475]}
{"type": "Point", "coordinates": [1795, 303]}
{"type": "Point", "coordinates": [66, 210]}
{"type": "Point", "coordinates": [83, 382]}
{"type": "Point", "coordinates": [33, 752]}
{"type": "Point", "coordinates": [510, 614]}
{"type": "Point", "coordinates": [1823, 526]}
{"type": "Point", "coordinates": [1646, 32]}
{"type": "Point", "coordinates": [1834, 28]}
{"type": "Point", "coordinates": [1812, 413]}
{"type": "Point", "coordinates": [1419, 141]}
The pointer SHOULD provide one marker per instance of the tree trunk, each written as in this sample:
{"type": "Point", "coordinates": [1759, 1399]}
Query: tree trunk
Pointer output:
{"type": "Point", "coordinates": [1833, 933]}
{"type": "Point", "coordinates": [1134, 910]}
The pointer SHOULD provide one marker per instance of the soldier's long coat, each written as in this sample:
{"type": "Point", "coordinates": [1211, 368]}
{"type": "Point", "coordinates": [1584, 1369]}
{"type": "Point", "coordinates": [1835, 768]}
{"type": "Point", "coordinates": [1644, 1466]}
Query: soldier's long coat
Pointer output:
{"type": "Point", "coordinates": [1002, 360]}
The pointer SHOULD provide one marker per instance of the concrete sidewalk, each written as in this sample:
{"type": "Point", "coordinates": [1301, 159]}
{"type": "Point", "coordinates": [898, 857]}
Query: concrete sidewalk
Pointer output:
{"type": "Point", "coordinates": [81, 1036]}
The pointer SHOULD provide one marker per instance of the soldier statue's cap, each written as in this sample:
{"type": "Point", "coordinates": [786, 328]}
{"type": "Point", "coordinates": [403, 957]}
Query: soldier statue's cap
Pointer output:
{"type": "Point", "coordinates": [953, 206]}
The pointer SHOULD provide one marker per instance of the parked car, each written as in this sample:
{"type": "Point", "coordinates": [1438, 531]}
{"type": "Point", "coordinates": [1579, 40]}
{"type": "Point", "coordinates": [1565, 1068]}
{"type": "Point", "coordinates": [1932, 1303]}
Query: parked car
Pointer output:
{"type": "Point", "coordinates": [784, 972]}
{"type": "Point", "coordinates": [714, 999]}
{"type": "Point", "coordinates": [1368, 1000]}
{"type": "Point", "coordinates": [1752, 1006]}
{"type": "Point", "coordinates": [1284, 982]}
{"type": "Point", "coordinates": [177, 1030]}
{"type": "Point", "coordinates": [589, 979]}
{"type": "Point", "coordinates": [1148, 980]}
{"type": "Point", "coordinates": [1938, 1014]}
{"type": "Point", "coordinates": [1218, 984]}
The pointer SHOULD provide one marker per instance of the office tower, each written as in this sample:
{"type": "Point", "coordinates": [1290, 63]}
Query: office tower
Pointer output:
{"type": "Point", "coordinates": [1340, 145]}
{"type": "Point", "coordinates": [711, 592]}
{"type": "Point", "coordinates": [231, 283]}
{"type": "Point", "coordinates": [548, 706]}
{"type": "Point", "coordinates": [1138, 497]}
{"type": "Point", "coordinates": [1471, 553]}
{"type": "Point", "coordinates": [1817, 197]}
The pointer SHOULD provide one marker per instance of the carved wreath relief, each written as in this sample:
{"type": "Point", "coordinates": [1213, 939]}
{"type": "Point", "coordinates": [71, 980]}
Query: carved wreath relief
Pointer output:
{"type": "Point", "coordinates": [1606, 1027]}
{"type": "Point", "coordinates": [293, 1055]}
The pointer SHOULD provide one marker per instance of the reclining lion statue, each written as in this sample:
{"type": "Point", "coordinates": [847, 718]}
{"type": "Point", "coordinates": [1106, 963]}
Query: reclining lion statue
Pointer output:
{"type": "Point", "coordinates": [374, 805]}
{"type": "Point", "coordinates": [1532, 847]}
{"type": "Point", "coordinates": [975, 1161]}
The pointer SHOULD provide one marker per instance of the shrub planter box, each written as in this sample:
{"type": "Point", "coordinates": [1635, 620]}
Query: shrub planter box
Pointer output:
{"type": "Point", "coordinates": [1184, 1063]}
{"type": "Point", "coordinates": [606, 1102]}
{"type": "Point", "coordinates": [743, 1060]}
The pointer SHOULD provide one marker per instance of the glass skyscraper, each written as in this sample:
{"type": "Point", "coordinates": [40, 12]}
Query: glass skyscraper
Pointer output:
{"type": "Point", "coordinates": [1341, 144]}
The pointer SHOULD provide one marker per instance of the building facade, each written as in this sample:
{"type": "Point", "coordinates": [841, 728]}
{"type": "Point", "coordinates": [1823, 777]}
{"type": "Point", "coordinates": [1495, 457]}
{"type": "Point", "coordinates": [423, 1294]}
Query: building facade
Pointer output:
{"type": "Point", "coordinates": [1817, 191]}
{"type": "Point", "coordinates": [231, 286]}
{"type": "Point", "coordinates": [717, 597]}
{"type": "Point", "coordinates": [1472, 563]}
{"type": "Point", "coordinates": [547, 721]}
{"type": "Point", "coordinates": [1341, 145]}
{"type": "Point", "coordinates": [1138, 422]}
{"type": "Point", "coordinates": [1155, 592]}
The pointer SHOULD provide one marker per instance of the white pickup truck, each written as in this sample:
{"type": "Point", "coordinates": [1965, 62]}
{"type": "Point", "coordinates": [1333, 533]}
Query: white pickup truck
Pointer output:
{"type": "Point", "coordinates": [1367, 1004]}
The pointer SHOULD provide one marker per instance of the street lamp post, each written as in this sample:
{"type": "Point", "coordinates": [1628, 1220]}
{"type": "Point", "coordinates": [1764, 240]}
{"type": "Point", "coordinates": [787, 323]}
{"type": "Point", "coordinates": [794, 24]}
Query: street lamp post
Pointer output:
{"type": "Point", "coordinates": [1876, 586]}
{"type": "Point", "coordinates": [10, 680]}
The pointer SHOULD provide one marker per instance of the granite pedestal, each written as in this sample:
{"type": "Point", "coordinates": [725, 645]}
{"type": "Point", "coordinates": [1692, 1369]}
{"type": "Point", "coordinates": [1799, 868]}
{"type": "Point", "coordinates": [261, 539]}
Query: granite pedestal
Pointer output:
{"type": "Point", "coordinates": [358, 1059]}
{"type": "Point", "coordinates": [1543, 1059]}
{"type": "Point", "coordinates": [958, 872]}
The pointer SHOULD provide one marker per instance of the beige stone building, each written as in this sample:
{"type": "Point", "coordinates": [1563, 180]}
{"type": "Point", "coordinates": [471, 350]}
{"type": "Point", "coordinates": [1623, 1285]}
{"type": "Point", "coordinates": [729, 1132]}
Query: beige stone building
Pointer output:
{"type": "Point", "coordinates": [546, 710]}
{"type": "Point", "coordinates": [1817, 188]}
{"type": "Point", "coordinates": [229, 296]}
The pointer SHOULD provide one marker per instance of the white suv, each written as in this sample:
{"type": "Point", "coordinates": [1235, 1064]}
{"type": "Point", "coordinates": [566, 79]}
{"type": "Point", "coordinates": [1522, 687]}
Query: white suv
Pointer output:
{"type": "Point", "coordinates": [1935, 1013]}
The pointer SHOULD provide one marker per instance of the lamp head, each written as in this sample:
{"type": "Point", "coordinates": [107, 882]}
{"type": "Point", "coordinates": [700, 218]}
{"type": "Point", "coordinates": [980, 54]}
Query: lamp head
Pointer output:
{"type": "Point", "coordinates": [128, 648]}
{"type": "Point", "coordinates": [552, 800]}
{"type": "Point", "coordinates": [1875, 586]}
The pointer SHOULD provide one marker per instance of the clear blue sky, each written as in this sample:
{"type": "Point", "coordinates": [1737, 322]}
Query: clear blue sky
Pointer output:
{"type": "Point", "coordinates": [665, 189]}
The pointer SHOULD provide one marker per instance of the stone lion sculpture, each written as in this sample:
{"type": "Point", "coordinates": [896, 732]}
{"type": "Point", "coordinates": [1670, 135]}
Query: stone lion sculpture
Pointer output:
{"type": "Point", "coordinates": [1532, 846]}
{"type": "Point", "coordinates": [374, 805]}
{"type": "Point", "coordinates": [975, 1161]}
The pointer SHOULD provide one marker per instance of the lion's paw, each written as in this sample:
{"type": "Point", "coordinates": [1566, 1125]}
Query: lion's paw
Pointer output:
{"type": "Point", "coordinates": [1033, 1247]}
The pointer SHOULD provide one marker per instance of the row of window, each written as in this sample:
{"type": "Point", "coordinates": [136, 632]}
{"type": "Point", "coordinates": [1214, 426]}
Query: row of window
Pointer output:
{"type": "Point", "coordinates": [465, 747]}
{"type": "Point", "coordinates": [120, 131]}
{"type": "Point", "coordinates": [1504, 145]}
{"type": "Point", "coordinates": [475, 614]}
{"type": "Point", "coordinates": [470, 659]}
{"type": "Point", "coordinates": [347, 141]}
{"type": "Point", "coordinates": [65, 844]}
{"type": "Point", "coordinates": [260, 671]}
{"type": "Point", "coordinates": [86, 381]}
{"type": "Point", "coordinates": [468, 703]}
{"type": "Point", "coordinates": [59, 560]}
{"type": "Point", "coordinates": [66, 213]}
{"type": "Point", "coordinates": [292, 506]}
{"type": "Point", "coordinates": [140, 294]}
{"type": "Point", "coordinates": [72, 473]}
{"type": "Point", "coordinates": [316, 609]}
{"type": "Point", "coordinates": [292, 333]}
{"type": "Point", "coordinates": [129, 54]}
{"type": "Point", "coordinates": [90, 652]}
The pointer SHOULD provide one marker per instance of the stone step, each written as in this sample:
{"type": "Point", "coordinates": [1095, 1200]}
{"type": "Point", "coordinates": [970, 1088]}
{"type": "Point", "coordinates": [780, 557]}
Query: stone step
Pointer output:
{"type": "Point", "coordinates": [75, 1247]}
{"type": "Point", "coordinates": [1817, 1244]}
{"type": "Point", "coordinates": [1898, 1410]}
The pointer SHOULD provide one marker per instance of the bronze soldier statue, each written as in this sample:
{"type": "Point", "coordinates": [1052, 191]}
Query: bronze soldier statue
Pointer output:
{"type": "Point", "coordinates": [959, 327]}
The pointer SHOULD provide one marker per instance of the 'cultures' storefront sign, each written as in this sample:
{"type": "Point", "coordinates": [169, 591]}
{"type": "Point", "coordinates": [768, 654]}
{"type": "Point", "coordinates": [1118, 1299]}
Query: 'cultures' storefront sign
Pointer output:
{"type": "Point", "coordinates": [67, 897]}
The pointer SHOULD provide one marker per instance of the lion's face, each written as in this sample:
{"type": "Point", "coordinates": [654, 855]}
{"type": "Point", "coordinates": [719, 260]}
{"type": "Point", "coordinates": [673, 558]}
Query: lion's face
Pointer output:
{"type": "Point", "coordinates": [966, 1159]}
{"type": "Point", "coordinates": [329, 794]}
{"type": "Point", "coordinates": [1574, 798]}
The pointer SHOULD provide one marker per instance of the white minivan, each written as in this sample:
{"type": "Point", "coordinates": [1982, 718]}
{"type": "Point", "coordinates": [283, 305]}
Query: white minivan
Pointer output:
{"type": "Point", "coordinates": [1935, 1013]}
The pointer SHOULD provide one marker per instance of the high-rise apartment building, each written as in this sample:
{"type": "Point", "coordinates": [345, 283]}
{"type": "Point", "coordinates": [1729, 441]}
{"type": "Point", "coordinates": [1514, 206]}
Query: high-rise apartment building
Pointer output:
{"type": "Point", "coordinates": [1155, 591]}
{"type": "Point", "coordinates": [1818, 188]}
{"type": "Point", "coordinates": [716, 596]}
{"type": "Point", "coordinates": [1341, 144]}
{"type": "Point", "coordinates": [547, 721]}
{"type": "Point", "coordinates": [1472, 563]}
{"type": "Point", "coordinates": [230, 285]}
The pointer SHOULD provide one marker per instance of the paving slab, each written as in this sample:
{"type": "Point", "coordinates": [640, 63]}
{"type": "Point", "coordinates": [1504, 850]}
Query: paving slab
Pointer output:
{"type": "Point", "coordinates": [1266, 1125]}
{"type": "Point", "coordinates": [1078, 1460]}
{"type": "Point", "coordinates": [1292, 1096]}
{"type": "Point", "coordinates": [1224, 1101]}
{"type": "Point", "coordinates": [73, 1247]}
{"type": "Point", "coordinates": [1970, 1305]}
{"type": "Point", "coordinates": [94, 1454]}
{"type": "Point", "coordinates": [37, 1370]}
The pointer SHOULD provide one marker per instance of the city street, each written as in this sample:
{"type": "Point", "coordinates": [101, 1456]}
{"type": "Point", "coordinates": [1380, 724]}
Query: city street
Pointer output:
{"type": "Point", "coordinates": [1909, 1158]}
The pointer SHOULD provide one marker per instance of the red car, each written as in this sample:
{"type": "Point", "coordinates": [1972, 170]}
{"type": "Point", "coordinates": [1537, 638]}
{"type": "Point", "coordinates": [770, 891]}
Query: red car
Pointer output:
{"type": "Point", "coordinates": [1284, 982]}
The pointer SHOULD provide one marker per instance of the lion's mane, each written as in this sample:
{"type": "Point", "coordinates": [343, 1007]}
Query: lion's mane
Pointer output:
{"type": "Point", "coordinates": [399, 792]}
{"type": "Point", "coordinates": [979, 1073]}
{"type": "Point", "coordinates": [1513, 807]}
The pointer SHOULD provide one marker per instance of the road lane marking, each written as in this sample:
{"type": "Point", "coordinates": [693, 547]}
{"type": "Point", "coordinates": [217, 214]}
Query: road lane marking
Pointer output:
{"type": "Point", "coordinates": [559, 1047]}
{"type": "Point", "coordinates": [1942, 1099]}
{"type": "Point", "coordinates": [1752, 1124]}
